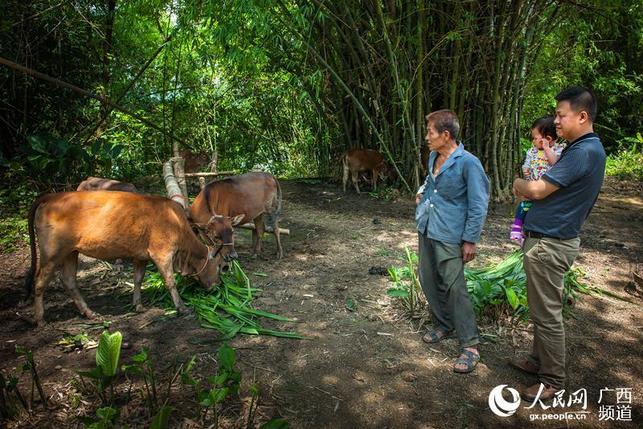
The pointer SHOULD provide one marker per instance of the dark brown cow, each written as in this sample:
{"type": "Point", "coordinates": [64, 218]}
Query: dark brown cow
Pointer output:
{"type": "Point", "coordinates": [196, 161]}
{"type": "Point", "coordinates": [99, 184]}
{"type": "Point", "coordinates": [356, 161]}
{"type": "Point", "coordinates": [243, 198]}
{"type": "Point", "coordinates": [110, 225]}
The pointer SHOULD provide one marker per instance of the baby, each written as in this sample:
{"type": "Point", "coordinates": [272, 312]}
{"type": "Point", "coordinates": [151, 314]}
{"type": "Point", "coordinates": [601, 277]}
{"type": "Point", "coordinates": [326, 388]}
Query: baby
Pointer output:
{"type": "Point", "coordinates": [540, 157]}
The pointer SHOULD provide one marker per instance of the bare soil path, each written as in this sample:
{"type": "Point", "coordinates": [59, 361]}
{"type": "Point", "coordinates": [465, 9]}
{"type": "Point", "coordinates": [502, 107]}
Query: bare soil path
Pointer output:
{"type": "Point", "coordinates": [362, 367]}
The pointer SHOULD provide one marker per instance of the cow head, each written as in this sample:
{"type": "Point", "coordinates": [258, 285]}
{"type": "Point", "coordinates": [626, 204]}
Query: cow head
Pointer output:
{"type": "Point", "coordinates": [218, 232]}
{"type": "Point", "coordinates": [209, 274]}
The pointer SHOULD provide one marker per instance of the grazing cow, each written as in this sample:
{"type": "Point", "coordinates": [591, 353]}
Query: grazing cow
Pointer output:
{"type": "Point", "coordinates": [358, 160]}
{"type": "Point", "coordinates": [110, 225]}
{"type": "Point", "coordinates": [99, 184]}
{"type": "Point", "coordinates": [243, 198]}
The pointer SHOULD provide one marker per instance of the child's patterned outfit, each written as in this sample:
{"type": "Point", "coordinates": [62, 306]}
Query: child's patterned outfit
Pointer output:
{"type": "Point", "coordinates": [535, 166]}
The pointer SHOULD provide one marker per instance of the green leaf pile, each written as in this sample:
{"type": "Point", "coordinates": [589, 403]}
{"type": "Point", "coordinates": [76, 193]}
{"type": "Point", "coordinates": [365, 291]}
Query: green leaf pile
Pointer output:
{"type": "Point", "coordinates": [495, 289]}
{"type": "Point", "coordinates": [227, 308]}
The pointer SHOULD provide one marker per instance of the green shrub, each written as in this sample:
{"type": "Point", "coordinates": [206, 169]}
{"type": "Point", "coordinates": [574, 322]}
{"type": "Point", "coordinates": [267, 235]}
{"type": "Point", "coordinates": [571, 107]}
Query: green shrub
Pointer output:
{"type": "Point", "coordinates": [627, 162]}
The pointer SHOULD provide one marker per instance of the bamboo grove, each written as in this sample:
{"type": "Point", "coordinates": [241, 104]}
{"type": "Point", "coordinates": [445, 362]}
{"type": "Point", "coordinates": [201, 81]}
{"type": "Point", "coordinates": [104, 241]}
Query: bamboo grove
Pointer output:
{"type": "Point", "coordinates": [289, 85]}
{"type": "Point", "coordinates": [387, 64]}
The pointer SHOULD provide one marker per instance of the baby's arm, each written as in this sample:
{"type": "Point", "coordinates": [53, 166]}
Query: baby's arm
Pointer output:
{"type": "Point", "coordinates": [526, 166]}
{"type": "Point", "coordinates": [551, 156]}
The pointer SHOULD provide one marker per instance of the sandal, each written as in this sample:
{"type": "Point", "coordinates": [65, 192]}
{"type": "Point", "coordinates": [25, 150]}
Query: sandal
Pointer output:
{"type": "Point", "coordinates": [435, 336]}
{"type": "Point", "coordinates": [468, 358]}
{"type": "Point", "coordinates": [524, 365]}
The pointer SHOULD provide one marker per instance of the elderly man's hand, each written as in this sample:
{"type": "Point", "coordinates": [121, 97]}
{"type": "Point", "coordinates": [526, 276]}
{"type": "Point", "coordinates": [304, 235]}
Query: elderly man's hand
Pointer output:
{"type": "Point", "coordinates": [418, 198]}
{"type": "Point", "coordinates": [468, 251]}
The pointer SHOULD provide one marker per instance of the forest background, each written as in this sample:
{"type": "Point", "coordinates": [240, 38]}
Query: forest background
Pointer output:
{"type": "Point", "coordinates": [288, 86]}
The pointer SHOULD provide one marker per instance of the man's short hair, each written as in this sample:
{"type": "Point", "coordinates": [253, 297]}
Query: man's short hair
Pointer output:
{"type": "Point", "coordinates": [579, 99]}
{"type": "Point", "coordinates": [445, 120]}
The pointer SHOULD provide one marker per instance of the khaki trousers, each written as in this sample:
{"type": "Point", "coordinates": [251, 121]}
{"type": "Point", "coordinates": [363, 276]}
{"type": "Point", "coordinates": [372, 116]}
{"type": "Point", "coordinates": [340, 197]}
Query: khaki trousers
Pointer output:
{"type": "Point", "coordinates": [546, 261]}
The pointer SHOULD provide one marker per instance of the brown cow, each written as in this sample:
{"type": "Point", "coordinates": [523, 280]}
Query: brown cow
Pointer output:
{"type": "Point", "coordinates": [110, 225]}
{"type": "Point", "coordinates": [196, 161]}
{"type": "Point", "coordinates": [243, 198]}
{"type": "Point", "coordinates": [100, 184]}
{"type": "Point", "coordinates": [358, 160]}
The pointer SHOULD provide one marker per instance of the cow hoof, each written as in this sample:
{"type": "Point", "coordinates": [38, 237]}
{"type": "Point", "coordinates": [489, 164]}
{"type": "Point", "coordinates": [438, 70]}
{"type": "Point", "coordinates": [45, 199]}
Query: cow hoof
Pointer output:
{"type": "Point", "coordinates": [185, 312]}
{"type": "Point", "coordinates": [140, 308]}
{"type": "Point", "coordinates": [89, 314]}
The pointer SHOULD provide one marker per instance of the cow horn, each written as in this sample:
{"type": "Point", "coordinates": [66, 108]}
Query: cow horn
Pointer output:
{"type": "Point", "coordinates": [237, 219]}
{"type": "Point", "coordinates": [213, 218]}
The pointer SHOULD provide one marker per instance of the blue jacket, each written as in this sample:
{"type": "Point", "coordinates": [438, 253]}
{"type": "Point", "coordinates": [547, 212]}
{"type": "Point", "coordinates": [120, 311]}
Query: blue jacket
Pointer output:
{"type": "Point", "coordinates": [454, 203]}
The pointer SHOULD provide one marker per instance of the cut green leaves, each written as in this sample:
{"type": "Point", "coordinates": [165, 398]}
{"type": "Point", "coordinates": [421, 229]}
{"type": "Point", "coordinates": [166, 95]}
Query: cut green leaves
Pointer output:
{"type": "Point", "coordinates": [227, 308]}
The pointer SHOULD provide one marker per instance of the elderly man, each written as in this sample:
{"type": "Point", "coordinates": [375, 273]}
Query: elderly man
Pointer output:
{"type": "Point", "coordinates": [450, 213]}
{"type": "Point", "coordinates": [562, 199]}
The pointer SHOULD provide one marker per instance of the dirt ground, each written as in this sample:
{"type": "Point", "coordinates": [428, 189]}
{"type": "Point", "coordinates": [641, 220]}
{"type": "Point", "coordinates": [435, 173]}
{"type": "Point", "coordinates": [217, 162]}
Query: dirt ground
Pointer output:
{"type": "Point", "coordinates": [366, 368]}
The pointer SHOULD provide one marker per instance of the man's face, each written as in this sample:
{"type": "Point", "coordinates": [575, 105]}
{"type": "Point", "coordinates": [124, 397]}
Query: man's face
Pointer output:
{"type": "Point", "coordinates": [567, 121]}
{"type": "Point", "coordinates": [434, 139]}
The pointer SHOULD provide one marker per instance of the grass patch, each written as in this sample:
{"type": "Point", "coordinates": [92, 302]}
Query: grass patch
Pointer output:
{"type": "Point", "coordinates": [15, 202]}
{"type": "Point", "coordinates": [13, 230]}
{"type": "Point", "coordinates": [226, 308]}
{"type": "Point", "coordinates": [627, 162]}
{"type": "Point", "coordinates": [388, 193]}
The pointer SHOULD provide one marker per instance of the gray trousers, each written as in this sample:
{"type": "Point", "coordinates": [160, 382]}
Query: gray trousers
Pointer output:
{"type": "Point", "coordinates": [441, 272]}
{"type": "Point", "coordinates": [546, 261]}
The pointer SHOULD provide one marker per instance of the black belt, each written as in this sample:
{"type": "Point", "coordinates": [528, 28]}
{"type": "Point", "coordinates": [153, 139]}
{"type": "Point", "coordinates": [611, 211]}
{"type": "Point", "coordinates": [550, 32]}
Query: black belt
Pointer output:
{"type": "Point", "coordinates": [534, 234]}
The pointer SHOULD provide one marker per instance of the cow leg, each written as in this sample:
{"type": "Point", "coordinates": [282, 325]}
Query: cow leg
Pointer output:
{"type": "Point", "coordinates": [257, 234]}
{"type": "Point", "coordinates": [355, 177]}
{"type": "Point", "coordinates": [345, 177]}
{"type": "Point", "coordinates": [43, 276]}
{"type": "Point", "coordinates": [280, 250]}
{"type": "Point", "coordinates": [374, 179]}
{"type": "Point", "coordinates": [166, 270]}
{"type": "Point", "coordinates": [139, 272]}
{"type": "Point", "coordinates": [70, 267]}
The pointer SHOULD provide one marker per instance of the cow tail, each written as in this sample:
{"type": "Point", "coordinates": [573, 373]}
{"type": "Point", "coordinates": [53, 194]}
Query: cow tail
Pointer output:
{"type": "Point", "coordinates": [274, 216]}
{"type": "Point", "coordinates": [29, 278]}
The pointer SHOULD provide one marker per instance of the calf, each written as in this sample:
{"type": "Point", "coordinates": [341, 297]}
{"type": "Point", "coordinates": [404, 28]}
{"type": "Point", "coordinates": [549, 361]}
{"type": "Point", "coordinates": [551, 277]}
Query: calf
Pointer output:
{"type": "Point", "coordinates": [243, 198]}
{"type": "Point", "coordinates": [99, 184]}
{"type": "Point", "coordinates": [110, 225]}
{"type": "Point", "coordinates": [358, 160]}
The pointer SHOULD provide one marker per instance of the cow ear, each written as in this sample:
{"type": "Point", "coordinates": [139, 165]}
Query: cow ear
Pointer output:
{"type": "Point", "coordinates": [237, 219]}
